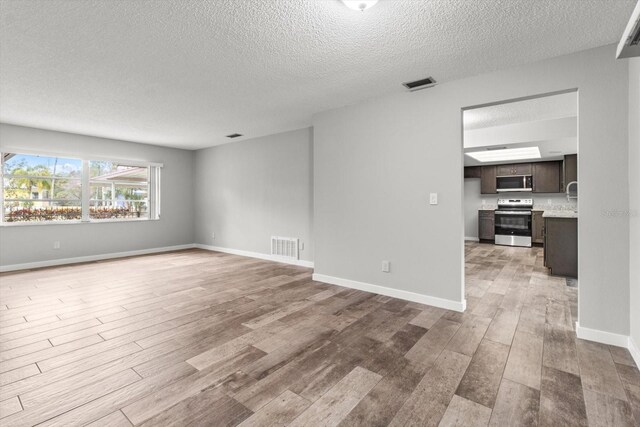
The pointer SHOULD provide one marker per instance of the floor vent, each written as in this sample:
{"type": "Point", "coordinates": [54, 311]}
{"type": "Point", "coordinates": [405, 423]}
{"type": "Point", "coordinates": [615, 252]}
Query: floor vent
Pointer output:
{"type": "Point", "coordinates": [284, 246]}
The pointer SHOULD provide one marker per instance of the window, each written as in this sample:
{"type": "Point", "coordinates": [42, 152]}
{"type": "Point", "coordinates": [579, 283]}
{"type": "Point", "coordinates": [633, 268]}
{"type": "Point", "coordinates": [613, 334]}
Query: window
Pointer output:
{"type": "Point", "coordinates": [40, 188]}
{"type": "Point", "coordinates": [118, 191]}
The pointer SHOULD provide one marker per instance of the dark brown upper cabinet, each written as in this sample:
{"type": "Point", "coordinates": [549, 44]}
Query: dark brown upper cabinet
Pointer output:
{"type": "Point", "coordinates": [472, 172]}
{"type": "Point", "coordinates": [570, 170]}
{"type": "Point", "coordinates": [488, 180]}
{"type": "Point", "coordinates": [547, 177]}
{"type": "Point", "coordinates": [513, 169]}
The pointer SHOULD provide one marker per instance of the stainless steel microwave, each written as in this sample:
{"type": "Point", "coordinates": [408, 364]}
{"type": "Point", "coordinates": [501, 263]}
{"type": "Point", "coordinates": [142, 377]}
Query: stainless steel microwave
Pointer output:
{"type": "Point", "coordinates": [514, 183]}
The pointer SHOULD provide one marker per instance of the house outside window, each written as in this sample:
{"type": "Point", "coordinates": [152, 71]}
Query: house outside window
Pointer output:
{"type": "Point", "coordinates": [118, 191]}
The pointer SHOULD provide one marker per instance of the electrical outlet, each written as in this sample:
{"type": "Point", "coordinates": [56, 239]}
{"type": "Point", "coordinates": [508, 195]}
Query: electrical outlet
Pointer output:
{"type": "Point", "coordinates": [549, 201]}
{"type": "Point", "coordinates": [213, 235]}
{"type": "Point", "coordinates": [302, 246]}
{"type": "Point", "coordinates": [386, 266]}
{"type": "Point", "coordinates": [56, 244]}
{"type": "Point", "coordinates": [433, 198]}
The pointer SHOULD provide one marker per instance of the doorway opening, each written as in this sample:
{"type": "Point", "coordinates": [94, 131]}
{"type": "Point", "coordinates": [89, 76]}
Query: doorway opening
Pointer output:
{"type": "Point", "coordinates": [521, 208]}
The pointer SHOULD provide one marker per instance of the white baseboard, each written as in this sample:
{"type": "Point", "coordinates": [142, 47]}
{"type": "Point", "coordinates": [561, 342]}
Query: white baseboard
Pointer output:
{"type": "Point", "coordinates": [395, 293]}
{"type": "Point", "coordinates": [634, 350]}
{"type": "Point", "coordinates": [76, 260]}
{"type": "Point", "coordinates": [610, 338]}
{"type": "Point", "coordinates": [602, 337]}
{"type": "Point", "coordinates": [267, 257]}
{"type": "Point", "coordinates": [471, 239]}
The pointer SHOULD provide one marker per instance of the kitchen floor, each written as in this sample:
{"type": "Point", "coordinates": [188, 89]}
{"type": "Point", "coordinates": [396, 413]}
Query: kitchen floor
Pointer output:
{"type": "Point", "coordinates": [566, 380]}
{"type": "Point", "coordinates": [204, 338]}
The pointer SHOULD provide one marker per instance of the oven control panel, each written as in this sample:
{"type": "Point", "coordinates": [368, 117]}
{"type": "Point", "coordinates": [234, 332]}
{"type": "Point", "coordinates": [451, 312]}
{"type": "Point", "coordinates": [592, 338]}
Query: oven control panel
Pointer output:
{"type": "Point", "coordinates": [523, 202]}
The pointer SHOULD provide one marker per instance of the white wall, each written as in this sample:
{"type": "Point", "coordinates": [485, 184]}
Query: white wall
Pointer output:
{"type": "Point", "coordinates": [540, 130]}
{"type": "Point", "coordinates": [634, 198]}
{"type": "Point", "coordinates": [34, 243]}
{"type": "Point", "coordinates": [375, 164]}
{"type": "Point", "coordinates": [251, 190]}
{"type": "Point", "coordinates": [472, 203]}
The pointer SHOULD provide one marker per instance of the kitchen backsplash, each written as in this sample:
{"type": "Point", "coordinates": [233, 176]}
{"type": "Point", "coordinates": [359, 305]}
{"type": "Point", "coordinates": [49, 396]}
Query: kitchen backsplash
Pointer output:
{"type": "Point", "coordinates": [554, 202]}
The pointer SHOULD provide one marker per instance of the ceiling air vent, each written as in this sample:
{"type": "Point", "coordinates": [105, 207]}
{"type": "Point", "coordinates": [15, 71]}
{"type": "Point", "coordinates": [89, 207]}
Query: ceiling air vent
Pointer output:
{"type": "Point", "coordinates": [234, 135]}
{"type": "Point", "coordinates": [420, 84]}
{"type": "Point", "coordinates": [629, 45]}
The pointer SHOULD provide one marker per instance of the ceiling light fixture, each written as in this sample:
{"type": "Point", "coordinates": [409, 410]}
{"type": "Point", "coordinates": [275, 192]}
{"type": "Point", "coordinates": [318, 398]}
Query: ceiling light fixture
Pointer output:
{"type": "Point", "coordinates": [360, 5]}
{"type": "Point", "coordinates": [504, 155]}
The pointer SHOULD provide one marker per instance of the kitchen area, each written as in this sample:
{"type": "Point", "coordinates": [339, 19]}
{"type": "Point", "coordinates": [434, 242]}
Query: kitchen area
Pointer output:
{"type": "Point", "coordinates": [521, 179]}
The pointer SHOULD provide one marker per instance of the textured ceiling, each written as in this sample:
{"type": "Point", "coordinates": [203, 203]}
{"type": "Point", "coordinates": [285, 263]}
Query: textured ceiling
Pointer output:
{"type": "Point", "coordinates": [545, 108]}
{"type": "Point", "coordinates": [185, 73]}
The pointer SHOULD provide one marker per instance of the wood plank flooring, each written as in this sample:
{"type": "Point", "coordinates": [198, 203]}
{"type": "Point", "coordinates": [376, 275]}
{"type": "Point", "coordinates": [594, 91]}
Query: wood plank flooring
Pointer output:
{"type": "Point", "coordinates": [205, 338]}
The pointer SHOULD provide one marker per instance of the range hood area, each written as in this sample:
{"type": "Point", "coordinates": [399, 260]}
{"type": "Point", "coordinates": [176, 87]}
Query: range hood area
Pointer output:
{"type": "Point", "coordinates": [535, 177]}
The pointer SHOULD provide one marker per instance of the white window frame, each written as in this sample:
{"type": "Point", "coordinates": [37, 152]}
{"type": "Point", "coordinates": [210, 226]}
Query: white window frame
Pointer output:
{"type": "Point", "coordinates": [154, 174]}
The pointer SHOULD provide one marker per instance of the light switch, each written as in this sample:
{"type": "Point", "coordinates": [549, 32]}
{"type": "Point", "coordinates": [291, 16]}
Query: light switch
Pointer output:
{"type": "Point", "coordinates": [386, 266]}
{"type": "Point", "coordinates": [433, 198]}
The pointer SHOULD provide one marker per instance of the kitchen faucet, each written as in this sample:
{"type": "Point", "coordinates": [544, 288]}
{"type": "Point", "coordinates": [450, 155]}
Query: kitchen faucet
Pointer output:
{"type": "Point", "coordinates": [569, 196]}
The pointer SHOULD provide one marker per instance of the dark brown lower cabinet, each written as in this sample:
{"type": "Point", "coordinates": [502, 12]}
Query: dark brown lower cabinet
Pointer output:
{"type": "Point", "coordinates": [561, 246]}
{"type": "Point", "coordinates": [537, 227]}
{"type": "Point", "coordinates": [486, 225]}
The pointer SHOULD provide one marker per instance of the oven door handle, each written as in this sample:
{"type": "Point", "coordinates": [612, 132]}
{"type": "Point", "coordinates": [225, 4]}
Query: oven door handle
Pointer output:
{"type": "Point", "coordinates": [512, 213]}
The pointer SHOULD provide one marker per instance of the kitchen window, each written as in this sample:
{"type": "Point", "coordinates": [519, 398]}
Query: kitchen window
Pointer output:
{"type": "Point", "coordinates": [55, 189]}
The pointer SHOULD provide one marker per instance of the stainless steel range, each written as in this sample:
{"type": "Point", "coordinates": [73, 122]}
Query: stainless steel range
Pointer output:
{"type": "Point", "coordinates": [513, 222]}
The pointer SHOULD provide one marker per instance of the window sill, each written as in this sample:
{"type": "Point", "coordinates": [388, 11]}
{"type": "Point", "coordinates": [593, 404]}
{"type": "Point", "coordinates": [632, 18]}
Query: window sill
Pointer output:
{"type": "Point", "coordinates": [95, 221]}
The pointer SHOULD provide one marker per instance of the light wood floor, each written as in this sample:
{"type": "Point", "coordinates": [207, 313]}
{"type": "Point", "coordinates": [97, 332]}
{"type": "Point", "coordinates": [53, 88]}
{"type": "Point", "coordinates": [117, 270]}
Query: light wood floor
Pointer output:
{"type": "Point", "coordinates": [204, 338]}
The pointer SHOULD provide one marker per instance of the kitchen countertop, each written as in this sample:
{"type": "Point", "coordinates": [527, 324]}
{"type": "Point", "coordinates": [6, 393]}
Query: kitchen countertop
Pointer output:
{"type": "Point", "coordinates": [550, 211]}
{"type": "Point", "coordinates": [560, 214]}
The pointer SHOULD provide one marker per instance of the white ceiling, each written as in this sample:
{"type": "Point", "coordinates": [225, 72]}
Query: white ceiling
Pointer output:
{"type": "Point", "coordinates": [549, 123]}
{"type": "Point", "coordinates": [185, 73]}
{"type": "Point", "coordinates": [544, 108]}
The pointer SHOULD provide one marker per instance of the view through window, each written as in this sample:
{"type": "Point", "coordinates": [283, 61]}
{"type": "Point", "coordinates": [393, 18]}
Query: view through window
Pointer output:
{"type": "Point", "coordinates": [40, 188]}
{"type": "Point", "coordinates": [118, 191]}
